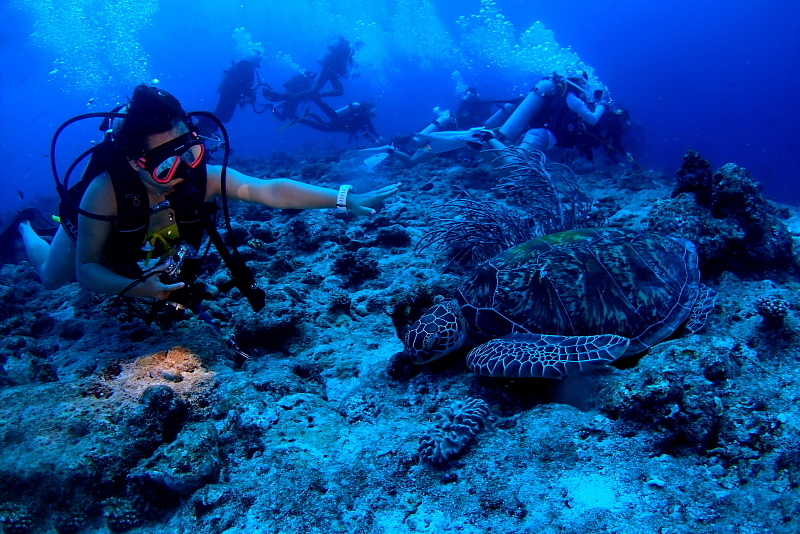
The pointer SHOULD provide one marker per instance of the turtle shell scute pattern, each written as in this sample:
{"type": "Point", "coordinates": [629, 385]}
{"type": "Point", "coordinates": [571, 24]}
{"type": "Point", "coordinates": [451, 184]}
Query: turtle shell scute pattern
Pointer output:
{"type": "Point", "coordinates": [639, 285]}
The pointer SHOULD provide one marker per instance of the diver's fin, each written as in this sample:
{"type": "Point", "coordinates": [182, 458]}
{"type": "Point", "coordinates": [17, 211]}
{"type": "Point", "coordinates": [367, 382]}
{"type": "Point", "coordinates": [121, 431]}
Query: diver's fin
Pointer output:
{"type": "Point", "coordinates": [375, 159]}
{"type": "Point", "coordinates": [374, 150]}
{"type": "Point", "coordinates": [289, 124]}
{"type": "Point", "coordinates": [40, 223]}
{"type": "Point", "coordinates": [295, 120]}
{"type": "Point", "coordinates": [447, 141]}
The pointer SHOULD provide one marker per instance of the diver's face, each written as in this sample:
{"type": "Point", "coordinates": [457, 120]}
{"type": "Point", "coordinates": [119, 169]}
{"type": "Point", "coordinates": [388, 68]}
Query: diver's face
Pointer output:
{"type": "Point", "coordinates": [151, 142]}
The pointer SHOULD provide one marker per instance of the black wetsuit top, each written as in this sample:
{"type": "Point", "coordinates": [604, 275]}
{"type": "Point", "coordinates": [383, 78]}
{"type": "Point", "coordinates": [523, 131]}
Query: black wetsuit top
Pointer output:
{"type": "Point", "coordinates": [564, 123]}
{"type": "Point", "coordinates": [123, 249]}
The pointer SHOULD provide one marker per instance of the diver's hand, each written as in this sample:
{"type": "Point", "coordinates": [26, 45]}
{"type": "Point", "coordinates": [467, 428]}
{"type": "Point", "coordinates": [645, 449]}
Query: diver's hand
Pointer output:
{"type": "Point", "coordinates": [154, 288]}
{"type": "Point", "coordinates": [359, 203]}
{"type": "Point", "coordinates": [484, 135]}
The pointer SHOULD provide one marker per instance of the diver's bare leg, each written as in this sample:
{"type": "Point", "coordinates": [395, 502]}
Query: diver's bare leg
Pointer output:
{"type": "Point", "coordinates": [53, 262]}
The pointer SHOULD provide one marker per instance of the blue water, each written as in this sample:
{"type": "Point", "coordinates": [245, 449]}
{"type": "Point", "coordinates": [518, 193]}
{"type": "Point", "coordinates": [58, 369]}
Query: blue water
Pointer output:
{"type": "Point", "coordinates": [717, 77]}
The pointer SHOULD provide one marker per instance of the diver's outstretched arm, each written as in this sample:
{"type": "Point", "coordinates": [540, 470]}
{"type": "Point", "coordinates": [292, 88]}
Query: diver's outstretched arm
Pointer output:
{"type": "Point", "coordinates": [282, 193]}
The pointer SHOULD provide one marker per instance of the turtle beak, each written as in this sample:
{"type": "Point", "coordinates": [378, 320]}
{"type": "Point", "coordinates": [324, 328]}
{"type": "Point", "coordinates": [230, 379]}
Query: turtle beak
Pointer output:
{"type": "Point", "coordinates": [436, 334]}
{"type": "Point", "coordinates": [421, 345]}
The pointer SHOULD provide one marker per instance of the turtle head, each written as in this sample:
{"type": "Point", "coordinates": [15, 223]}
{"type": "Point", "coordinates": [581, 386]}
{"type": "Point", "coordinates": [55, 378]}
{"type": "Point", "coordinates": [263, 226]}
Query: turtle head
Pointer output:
{"type": "Point", "coordinates": [439, 332]}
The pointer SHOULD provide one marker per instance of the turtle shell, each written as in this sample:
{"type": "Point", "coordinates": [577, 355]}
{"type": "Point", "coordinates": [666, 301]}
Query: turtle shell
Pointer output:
{"type": "Point", "coordinates": [640, 285]}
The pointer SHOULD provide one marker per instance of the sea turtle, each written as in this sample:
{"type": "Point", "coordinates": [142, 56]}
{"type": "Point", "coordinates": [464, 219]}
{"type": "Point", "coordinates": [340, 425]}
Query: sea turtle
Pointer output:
{"type": "Point", "coordinates": [567, 302]}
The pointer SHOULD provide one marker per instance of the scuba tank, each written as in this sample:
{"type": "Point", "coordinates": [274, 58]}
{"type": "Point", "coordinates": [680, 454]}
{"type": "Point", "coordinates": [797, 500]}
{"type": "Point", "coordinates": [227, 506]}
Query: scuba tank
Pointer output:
{"type": "Point", "coordinates": [235, 87]}
{"type": "Point", "coordinates": [500, 116]}
{"type": "Point", "coordinates": [533, 103]}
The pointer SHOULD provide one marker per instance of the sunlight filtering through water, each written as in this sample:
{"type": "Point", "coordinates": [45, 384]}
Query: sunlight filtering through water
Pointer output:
{"type": "Point", "coordinates": [94, 43]}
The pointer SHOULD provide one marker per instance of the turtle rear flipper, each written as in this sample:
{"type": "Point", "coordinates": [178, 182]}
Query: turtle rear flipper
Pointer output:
{"type": "Point", "coordinates": [544, 356]}
{"type": "Point", "coordinates": [703, 306]}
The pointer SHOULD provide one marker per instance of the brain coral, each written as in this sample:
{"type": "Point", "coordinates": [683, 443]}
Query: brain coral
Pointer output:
{"type": "Point", "coordinates": [459, 422]}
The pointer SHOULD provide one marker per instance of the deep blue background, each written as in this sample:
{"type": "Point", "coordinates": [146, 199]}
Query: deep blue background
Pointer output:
{"type": "Point", "coordinates": [718, 77]}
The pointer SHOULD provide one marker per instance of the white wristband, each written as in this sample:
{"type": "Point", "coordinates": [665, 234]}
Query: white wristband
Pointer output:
{"type": "Point", "coordinates": [341, 198]}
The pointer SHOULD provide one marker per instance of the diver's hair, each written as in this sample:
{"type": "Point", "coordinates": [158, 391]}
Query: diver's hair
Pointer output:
{"type": "Point", "coordinates": [150, 111]}
{"type": "Point", "coordinates": [339, 43]}
{"type": "Point", "coordinates": [367, 109]}
{"type": "Point", "coordinates": [300, 81]}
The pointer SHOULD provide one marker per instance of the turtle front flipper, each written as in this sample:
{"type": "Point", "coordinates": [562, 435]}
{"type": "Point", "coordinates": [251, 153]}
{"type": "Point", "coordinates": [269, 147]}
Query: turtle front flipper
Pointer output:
{"type": "Point", "coordinates": [536, 355]}
{"type": "Point", "coordinates": [703, 306]}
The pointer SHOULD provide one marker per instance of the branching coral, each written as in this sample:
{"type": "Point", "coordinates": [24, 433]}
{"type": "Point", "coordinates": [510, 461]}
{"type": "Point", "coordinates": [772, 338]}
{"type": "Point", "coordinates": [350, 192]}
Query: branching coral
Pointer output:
{"type": "Point", "coordinates": [548, 196]}
{"type": "Point", "coordinates": [483, 230]}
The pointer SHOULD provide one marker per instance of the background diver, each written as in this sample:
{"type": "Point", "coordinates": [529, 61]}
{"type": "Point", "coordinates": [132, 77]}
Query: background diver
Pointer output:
{"type": "Point", "coordinates": [335, 63]}
{"type": "Point", "coordinates": [236, 88]}
{"type": "Point", "coordinates": [354, 119]}
{"type": "Point", "coordinates": [472, 113]}
{"type": "Point", "coordinates": [558, 111]}
{"type": "Point", "coordinates": [296, 94]}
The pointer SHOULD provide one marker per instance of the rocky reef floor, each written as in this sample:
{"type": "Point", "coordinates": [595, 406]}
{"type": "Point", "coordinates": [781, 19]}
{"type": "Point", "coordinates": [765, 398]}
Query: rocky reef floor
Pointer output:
{"type": "Point", "coordinates": [108, 423]}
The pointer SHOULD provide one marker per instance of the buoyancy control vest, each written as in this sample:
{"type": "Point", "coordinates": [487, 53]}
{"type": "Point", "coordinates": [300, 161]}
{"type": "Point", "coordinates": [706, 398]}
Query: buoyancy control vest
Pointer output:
{"type": "Point", "coordinates": [123, 247]}
{"type": "Point", "coordinates": [189, 201]}
{"type": "Point", "coordinates": [564, 123]}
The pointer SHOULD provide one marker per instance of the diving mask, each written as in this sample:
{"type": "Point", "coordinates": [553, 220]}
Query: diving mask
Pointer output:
{"type": "Point", "coordinates": [163, 161]}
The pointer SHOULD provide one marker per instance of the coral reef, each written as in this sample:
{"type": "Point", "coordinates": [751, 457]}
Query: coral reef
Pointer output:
{"type": "Point", "coordinates": [274, 327]}
{"type": "Point", "coordinates": [110, 423]}
{"type": "Point", "coordinates": [356, 266]}
{"type": "Point", "coordinates": [183, 466]}
{"type": "Point", "coordinates": [121, 514]}
{"type": "Point", "coordinates": [70, 521]}
{"type": "Point", "coordinates": [15, 518]}
{"type": "Point", "coordinates": [724, 214]}
{"type": "Point", "coordinates": [773, 309]}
